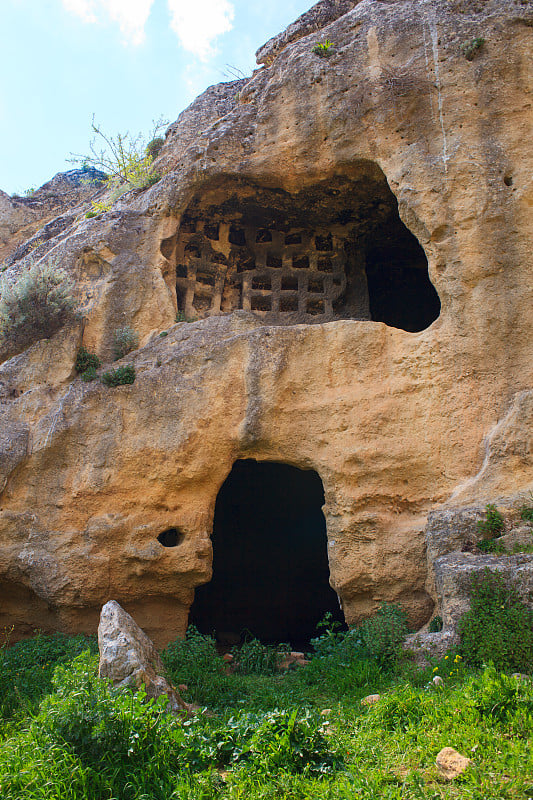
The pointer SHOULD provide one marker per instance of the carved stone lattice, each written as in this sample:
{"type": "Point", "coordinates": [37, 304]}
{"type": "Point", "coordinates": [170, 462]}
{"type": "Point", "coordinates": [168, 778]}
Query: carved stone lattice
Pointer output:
{"type": "Point", "coordinates": [296, 275]}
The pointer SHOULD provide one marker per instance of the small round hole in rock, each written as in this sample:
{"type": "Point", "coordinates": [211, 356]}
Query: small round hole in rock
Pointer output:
{"type": "Point", "coordinates": [170, 538]}
{"type": "Point", "coordinates": [508, 180]}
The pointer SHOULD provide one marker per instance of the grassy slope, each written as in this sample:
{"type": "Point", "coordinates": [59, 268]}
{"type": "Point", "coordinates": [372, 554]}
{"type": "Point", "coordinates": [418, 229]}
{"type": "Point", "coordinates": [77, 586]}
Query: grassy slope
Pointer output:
{"type": "Point", "coordinates": [75, 740]}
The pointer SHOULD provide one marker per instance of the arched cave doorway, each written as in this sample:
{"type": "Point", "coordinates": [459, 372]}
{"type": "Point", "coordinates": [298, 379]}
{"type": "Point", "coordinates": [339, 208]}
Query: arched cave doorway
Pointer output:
{"type": "Point", "coordinates": [334, 250]}
{"type": "Point", "coordinates": [270, 565]}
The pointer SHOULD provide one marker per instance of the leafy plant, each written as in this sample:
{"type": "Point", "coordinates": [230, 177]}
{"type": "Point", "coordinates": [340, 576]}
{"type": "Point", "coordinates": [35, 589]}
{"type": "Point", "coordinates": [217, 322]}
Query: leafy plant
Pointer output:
{"type": "Point", "coordinates": [323, 49]}
{"type": "Point", "coordinates": [191, 659]}
{"type": "Point", "coordinates": [490, 546]}
{"type": "Point", "coordinates": [498, 628]}
{"type": "Point", "coordinates": [121, 376]}
{"type": "Point", "coordinates": [493, 522]}
{"type": "Point", "coordinates": [435, 626]}
{"type": "Point", "coordinates": [125, 340]}
{"type": "Point", "coordinates": [253, 657]}
{"type": "Point", "coordinates": [126, 159]}
{"type": "Point", "coordinates": [91, 214]}
{"type": "Point", "coordinates": [35, 306]}
{"type": "Point", "coordinates": [85, 360]}
{"type": "Point", "coordinates": [383, 634]}
{"type": "Point", "coordinates": [469, 49]}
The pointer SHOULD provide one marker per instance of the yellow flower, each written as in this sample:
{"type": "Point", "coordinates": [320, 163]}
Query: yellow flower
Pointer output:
{"type": "Point", "coordinates": [436, 669]}
{"type": "Point", "coordinates": [445, 658]}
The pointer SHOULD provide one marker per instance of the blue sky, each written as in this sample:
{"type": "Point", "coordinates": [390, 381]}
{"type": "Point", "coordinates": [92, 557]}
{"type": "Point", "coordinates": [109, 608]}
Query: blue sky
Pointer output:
{"type": "Point", "coordinates": [126, 61]}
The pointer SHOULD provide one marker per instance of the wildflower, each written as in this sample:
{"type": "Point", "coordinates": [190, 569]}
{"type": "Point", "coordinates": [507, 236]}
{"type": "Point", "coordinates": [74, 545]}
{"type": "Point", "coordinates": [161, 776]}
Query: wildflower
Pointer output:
{"type": "Point", "coordinates": [436, 669]}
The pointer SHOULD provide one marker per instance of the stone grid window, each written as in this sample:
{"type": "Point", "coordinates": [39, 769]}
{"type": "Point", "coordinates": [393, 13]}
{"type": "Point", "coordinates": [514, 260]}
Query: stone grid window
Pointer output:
{"type": "Point", "coordinates": [223, 267]}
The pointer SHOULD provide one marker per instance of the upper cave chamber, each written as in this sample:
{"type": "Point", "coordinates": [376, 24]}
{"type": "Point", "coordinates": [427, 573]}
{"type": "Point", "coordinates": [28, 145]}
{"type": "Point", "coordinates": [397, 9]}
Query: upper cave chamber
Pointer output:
{"type": "Point", "coordinates": [335, 250]}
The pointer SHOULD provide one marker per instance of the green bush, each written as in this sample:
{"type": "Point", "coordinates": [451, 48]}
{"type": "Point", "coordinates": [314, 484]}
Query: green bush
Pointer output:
{"type": "Point", "coordinates": [188, 660]}
{"type": "Point", "coordinates": [493, 522]}
{"type": "Point", "coordinates": [122, 376]}
{"type": "Point", "coordinates": [490, 546]}
{"type": "Point", "coordinates": [253, 657]}
{"type": "Point", "coordinates": [125, 340]}
{"type": "Point", "coordinates": [35, 306]}
{"type": "Point", "coordinates": [91, 214]}
{"type": "Point", "coordinates": [498, 628]}
{"type": "Point", "coordinates": [382, 635]}
{"type": "Point", "coordinates": [86, 360]}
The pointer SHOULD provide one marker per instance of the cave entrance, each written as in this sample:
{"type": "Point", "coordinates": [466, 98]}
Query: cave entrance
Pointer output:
{"type": "Point", "coordinates": [333, 250]}
{"type": "Point", "coordinates": [270, 564]}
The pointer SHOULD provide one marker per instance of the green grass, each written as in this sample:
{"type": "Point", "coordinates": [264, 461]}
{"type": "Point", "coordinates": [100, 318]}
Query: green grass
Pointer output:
{"type": "Point", "coordinates": [66, 735]}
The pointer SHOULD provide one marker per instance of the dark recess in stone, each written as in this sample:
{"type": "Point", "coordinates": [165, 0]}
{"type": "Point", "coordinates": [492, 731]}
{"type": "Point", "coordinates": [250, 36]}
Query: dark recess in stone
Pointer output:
{"type": "Point", "coordinates": [270, 564]}
{"type": "Point", "coordinates": [399, 290]}
{"type": "Point", "coordinates": [170, 538]}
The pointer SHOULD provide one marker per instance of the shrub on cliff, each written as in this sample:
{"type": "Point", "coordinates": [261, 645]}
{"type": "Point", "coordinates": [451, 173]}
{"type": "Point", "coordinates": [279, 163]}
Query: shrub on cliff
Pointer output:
{"type": "Point", "coordinates": [498, 628]}
{"type": "Point", "coordinates": [35, 306]}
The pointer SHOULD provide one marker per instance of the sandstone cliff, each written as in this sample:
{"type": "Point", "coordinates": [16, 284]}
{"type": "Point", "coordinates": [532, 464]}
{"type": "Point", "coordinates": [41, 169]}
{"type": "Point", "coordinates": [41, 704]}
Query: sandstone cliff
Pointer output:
{"type": "Point", "coordinates": [352, 234]}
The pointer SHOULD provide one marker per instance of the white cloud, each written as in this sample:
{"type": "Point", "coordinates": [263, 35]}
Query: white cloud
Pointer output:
{"type": "Point", "coordinates": [197, 23]}
{"type": "Point", "coordinates": [131, 15]}
{"type": "Point", "coordinates": [82, 8]}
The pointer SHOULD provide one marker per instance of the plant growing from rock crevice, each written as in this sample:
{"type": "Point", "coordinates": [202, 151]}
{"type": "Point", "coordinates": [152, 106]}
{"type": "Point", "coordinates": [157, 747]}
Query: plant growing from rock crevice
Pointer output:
{"type": "Point", "coordinates": [35, 306]}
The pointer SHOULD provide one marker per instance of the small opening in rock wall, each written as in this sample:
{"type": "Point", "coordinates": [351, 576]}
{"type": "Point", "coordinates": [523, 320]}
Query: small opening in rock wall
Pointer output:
{"type": "Point", "coordinates": [237, 236]}
{"type": "Point", "coordinates": [325, 264]}
{"type": "Point", "coordinates": [181, 271]}
{"type": "Point", "coordinates": [324, 243]}
{"type": "Point", "coordinates": [315, 306]}
{"type": "Point", "coordinates": [259, 303]}
{"type": "Point", "coordinates": [172, 537]}
{"type": "Point", "coordinates": [289, 284]}
{"type": "Point", "coordinates": [316, 286]}
{"type": "Point", "coordinates": [188, 224]}
{"type": "Point", "coordinates": [273, 261]}
{"type": "Point", "coordinates": [262, 283]}
{"type": "Point", "coordinates": [300, 262]}
{"type": "Point", "coordinates": [270, 562]}
{"type": "Point", "coordinates": [211, 231]}
{"type": "Point", "coordinates": [244, 261]}
{"type": "Point", "coordinates": [263, 236]}
{"type": "Point", "coordinates": [508, 180]}
{"type": "Point", "coordinates": [288, 303]}
{"type": "Point", "coordinates": [193, 250]}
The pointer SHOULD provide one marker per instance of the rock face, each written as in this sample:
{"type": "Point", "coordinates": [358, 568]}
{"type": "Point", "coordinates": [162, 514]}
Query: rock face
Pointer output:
{"type": "Point", "coordinates": [352, 235]}
{"type": "Point", "coordinates": [129, 658]}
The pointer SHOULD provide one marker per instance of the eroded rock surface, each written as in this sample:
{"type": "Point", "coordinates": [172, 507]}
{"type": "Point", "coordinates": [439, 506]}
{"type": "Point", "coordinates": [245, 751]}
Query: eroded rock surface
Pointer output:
{"type": "Point", "coordinates": [404, 164]}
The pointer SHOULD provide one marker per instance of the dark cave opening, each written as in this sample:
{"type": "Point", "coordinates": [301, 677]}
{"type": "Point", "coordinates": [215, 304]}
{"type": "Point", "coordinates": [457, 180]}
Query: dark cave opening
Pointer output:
{"type": "Point", "coordinates": [270, 564]}
{"type": "Point", "coordinates": [400, 293]}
